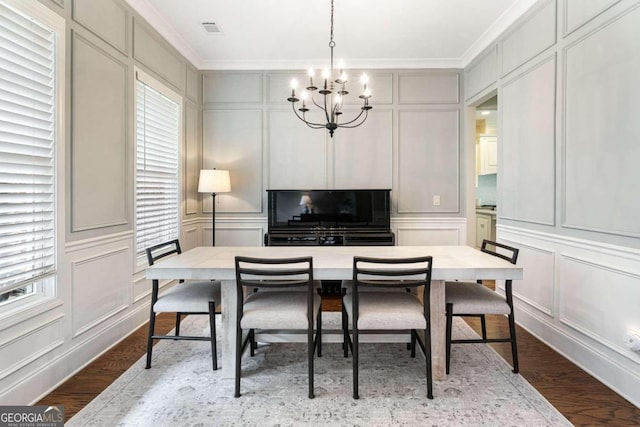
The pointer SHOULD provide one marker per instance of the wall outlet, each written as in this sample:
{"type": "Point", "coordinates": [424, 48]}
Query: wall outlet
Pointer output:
{"type": "Point", "coordinates": [436, 200]}
{"type": "Point", "coordinates": [632, 339]}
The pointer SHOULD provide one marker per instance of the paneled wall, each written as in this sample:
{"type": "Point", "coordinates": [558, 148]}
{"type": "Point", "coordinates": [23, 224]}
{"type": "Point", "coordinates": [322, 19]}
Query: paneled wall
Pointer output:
{"type": "Point", "coordinates": [101, 294]}
{"type": "Point", "coordinates": [410, 143]}
{"type": "Point", "coordinates": [568, 89]}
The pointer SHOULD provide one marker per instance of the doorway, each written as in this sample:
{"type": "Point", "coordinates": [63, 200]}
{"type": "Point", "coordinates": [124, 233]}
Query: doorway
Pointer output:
{"type": "Point", "coordinates": [482, 201]}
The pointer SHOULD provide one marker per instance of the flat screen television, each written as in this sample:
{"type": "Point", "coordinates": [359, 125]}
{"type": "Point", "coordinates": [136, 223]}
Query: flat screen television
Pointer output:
{"type": "Point", "coordinates": [326, 209]}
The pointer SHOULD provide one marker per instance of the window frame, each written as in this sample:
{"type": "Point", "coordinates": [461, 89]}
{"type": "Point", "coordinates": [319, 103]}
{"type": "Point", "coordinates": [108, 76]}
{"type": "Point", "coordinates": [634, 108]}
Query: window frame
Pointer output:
{"type": "Point", "coordinates": [46, 289]}
{"type": "Point", "coordinates": [140, 260]}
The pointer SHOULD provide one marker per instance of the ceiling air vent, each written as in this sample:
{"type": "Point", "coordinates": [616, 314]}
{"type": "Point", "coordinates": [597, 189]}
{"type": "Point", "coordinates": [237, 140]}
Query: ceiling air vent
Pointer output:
{"type": "Point", "coordinates": [211, 27]}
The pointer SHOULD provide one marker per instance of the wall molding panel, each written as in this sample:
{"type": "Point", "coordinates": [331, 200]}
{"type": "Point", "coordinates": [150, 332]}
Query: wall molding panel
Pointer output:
{"type": "Point", "coordinates": [153, 52]}
{"type": "Point", "coordinates": [435, 87]}
{"type": "Point", "coordinates": [100, 285]}
{"type": "Point", "coordinates": [298, 157]}
{"type": "Point", "coordinates": [229, 88]}
{"type": "Point", "coordinates": [352, 169]}
{"type": "Point", "coordinates": [107, 19]}
{"type": "Point", "coordinates": [192, 83]}
{"type": "Point", "coordinates": [99, 138]}
{"type": "Point", "coordinates": [18, 352]}
{"type": "Point", "coordinates": [538, 288]}
{"type": "Point", "coordinates": [82, 245]}
{"type": "Point", "coordinates": [530, 38]}
{"type": "Point", "coordinates": [191, 159]}
{"type": "Point", "coordinates": [593, 275]}
{"type": "Point", "coordinates": [429, 231]}
{"type": "Point", "coordinates": [575, 16]}
{"type": "Point", "coordinates": [233, 140]}
{"type": "Point", "coordinates": [594, 282]}
{"type": "Point", "coordinates": [481, 73]}
{"type": "Point", "coordinates": [428, 141]}
{"type": "Point", "coordinates": [235, 231]}
{"type": "Point", "coordinates": [529, 146]}
{"type": "Point", "coordinates": [588, 148]}
{"type": "Point", "coordinates": [191, 237]}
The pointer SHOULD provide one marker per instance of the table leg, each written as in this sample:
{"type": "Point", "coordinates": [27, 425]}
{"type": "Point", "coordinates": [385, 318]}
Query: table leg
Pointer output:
{"type": "Point", "coordinates": [438, 325]}
{"type": "Point", "coordinates": [229, 304]}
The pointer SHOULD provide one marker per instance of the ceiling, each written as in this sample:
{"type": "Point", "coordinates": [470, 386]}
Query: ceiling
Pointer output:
{"type": "Point", "coordinates": [294, 34]}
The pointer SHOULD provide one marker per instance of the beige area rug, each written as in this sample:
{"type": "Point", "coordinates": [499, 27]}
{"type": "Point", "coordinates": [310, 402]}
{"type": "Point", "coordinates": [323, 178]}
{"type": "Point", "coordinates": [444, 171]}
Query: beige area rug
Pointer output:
{"type": "Point", "coordinates": [181, 389]}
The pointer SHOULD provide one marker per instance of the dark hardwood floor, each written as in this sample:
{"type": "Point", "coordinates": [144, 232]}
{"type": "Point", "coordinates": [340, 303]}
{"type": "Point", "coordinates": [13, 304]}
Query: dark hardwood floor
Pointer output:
{"type": "Point", "coordinates": [582, 399]}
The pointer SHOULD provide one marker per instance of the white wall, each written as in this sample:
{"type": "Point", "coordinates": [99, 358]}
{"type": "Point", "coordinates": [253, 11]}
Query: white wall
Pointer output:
{"type": "Point", "coordinates": [410, 144]}
{"type": "Point", "coordinates": [568, 88]}
{"type": "Point", "coordinates": [101, 293]}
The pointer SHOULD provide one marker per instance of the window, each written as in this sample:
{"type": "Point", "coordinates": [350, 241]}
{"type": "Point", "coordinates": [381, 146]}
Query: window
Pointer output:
{"type": "Point", "coordinates": [158, 127]}
{"type": "Point", "coordinates": [30, 57]}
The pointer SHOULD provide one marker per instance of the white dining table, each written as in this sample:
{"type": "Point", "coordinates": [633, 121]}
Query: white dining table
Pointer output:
{"type": "Point", "coordinates": [335, 263]}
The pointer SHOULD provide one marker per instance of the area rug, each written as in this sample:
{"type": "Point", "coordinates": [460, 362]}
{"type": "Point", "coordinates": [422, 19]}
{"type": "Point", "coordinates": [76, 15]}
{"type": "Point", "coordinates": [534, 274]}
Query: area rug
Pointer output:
{"type": "Point", "coordinates": [181, 389]}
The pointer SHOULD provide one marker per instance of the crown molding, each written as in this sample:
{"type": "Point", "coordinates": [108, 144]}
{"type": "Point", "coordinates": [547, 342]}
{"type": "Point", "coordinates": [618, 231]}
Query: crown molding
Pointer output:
{"type": "Point", "coordinates": [511, 15]}
{"type": "Point", "coordinates": [148, 12]}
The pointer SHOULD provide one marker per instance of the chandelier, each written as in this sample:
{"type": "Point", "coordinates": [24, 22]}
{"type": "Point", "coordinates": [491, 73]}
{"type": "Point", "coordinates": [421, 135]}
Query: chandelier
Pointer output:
{"type": "Point", "coordinates": [333, 90]}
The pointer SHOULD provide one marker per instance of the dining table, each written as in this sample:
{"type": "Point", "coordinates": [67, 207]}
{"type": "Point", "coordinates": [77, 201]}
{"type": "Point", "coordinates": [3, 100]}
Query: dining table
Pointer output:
{"type": "Point", "coordinates": [330, 262]}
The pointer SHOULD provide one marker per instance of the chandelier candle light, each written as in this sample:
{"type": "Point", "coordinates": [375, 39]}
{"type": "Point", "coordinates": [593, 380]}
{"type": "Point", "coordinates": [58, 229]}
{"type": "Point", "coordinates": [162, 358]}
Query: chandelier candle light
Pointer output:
{"type": "Point", "coordinates": [333, 92]}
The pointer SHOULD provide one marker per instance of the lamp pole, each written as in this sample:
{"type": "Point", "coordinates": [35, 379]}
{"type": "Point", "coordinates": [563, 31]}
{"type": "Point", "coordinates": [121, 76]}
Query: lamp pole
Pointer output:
{"type": "Point", "coordinates": [213, 220]}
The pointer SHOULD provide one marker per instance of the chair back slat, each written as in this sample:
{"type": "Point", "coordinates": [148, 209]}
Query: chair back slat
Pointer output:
{"type": "Point", "coordinates": [386, 272]}
{"type": "Point", "coordinates": [255, 272]}
{"type": "Point", "coordinates": [512, 258]}
{"type": "Point", "coordinates": [159, 251]}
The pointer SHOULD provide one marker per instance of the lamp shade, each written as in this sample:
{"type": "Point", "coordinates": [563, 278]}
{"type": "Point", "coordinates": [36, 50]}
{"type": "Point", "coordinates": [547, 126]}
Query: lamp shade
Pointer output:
{"type": "Point", "coordinates": [214, 181]}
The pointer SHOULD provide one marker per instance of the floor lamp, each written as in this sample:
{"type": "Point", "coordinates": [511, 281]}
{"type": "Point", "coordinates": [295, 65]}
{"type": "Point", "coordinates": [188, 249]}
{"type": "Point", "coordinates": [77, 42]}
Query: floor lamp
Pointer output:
{"type": "Point", "coordinates": [214, 181]}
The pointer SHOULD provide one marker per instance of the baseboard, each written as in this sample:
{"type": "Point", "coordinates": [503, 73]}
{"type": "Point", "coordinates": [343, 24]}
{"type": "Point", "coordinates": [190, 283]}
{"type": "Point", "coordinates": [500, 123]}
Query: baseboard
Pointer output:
{"type": "Point", "coordinates": [50, 376]}
{"type": "Point", "coordinates": [623, 381]}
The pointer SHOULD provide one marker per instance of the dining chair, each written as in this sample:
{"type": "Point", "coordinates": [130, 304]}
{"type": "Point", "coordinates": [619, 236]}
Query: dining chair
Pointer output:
{"type": "Point", "coordinates": [286, 309]}
{"type": "Point", "coordinates": [388, 306]}
{"type": "Point", "coordinates": [191, 297]}
{"type": "Point", "coordinates": [473, 299]}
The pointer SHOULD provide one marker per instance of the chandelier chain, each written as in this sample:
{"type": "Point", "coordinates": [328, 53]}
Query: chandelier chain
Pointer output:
{"type": "Point", "coordinates": [332, 43]}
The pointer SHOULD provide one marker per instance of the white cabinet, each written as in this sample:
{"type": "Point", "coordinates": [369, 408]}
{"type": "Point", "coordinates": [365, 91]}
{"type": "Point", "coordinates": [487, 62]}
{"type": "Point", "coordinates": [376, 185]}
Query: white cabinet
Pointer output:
{"type": "Point", "coordinates": [485, 228]}
{"type": "Point", "coordinates": [487, 155]}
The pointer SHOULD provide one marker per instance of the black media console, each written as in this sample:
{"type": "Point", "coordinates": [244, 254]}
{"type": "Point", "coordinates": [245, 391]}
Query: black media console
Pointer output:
{"type": "Point", "coordinates": [329, 217]}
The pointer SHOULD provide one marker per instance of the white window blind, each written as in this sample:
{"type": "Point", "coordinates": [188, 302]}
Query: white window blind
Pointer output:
{"type": "Point", "coordinates": [27, 150]}
{"type": "Point", "coordinates": [157, 179]}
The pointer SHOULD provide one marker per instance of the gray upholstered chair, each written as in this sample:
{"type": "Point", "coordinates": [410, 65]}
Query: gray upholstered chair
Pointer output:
{"type": "Point", "coordinates": [286, 309]}
{"type": "Point", "coordinates": [473, 299]}
{"type": "Point", "coordinates": [185, 298]}
{"type": "Point", "coordinates": [388, 307]}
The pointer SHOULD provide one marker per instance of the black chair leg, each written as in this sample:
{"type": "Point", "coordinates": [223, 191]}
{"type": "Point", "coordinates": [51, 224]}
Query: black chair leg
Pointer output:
{"type": "Point", "coordinates": [310, 353]}
{"type": "Point", "coordinates": [514, 346]}
{"type": "Point", "coordinates": [152, 324]}
{"type": "Point", "coordinates": [252, 342]}
{"type": "Point", "coordinates": [319, 333]}
{"type": "Point", "coordinates": [449, 314]}
{"type": "Point", "coordinates": [238, 359]}
{"type": "Point", "coordinates": [212, 327]}
{"type": "Point", "coordinates": [178, 318]}
{"type": "Point", "coordinates": [412, 346]}
{"type": "Point", "coordinates": [483, 324]}
{"type": "Point", "coordinates": [427, 350]}
{"type": "Point", "coordinates": [345, 333]}
{"type": "Point", "coordinates": [355, 356]}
